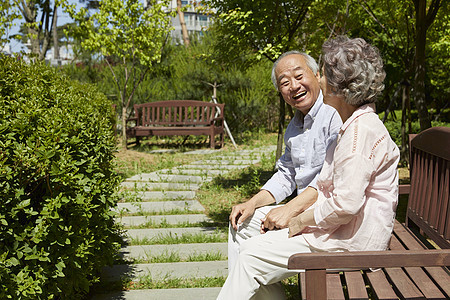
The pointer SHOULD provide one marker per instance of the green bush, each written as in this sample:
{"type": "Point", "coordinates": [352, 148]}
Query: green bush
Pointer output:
{"type": "Point", "coordinates": [57, 183]}
{"type": "Point", "coordinates": [394, 124]}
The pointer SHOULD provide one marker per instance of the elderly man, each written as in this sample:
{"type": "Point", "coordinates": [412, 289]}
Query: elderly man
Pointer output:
{"type": "Point", "coordinates": [312, 130]}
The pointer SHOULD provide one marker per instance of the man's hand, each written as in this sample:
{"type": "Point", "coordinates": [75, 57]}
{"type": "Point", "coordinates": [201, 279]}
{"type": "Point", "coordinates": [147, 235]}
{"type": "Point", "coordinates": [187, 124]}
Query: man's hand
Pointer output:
{"type": "Point", "coordinates": [240, 212]}
{"type": "Point", "coordinates": [277, 218]}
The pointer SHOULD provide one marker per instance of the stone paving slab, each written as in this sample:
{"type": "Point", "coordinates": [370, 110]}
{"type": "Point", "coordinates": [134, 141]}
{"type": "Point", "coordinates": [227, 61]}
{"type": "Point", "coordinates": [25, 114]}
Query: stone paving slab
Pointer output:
{"type": "Point", "coordinates": [162, 195]}
{"type": "Point", "coordinates": [145, 252]}
{"type": "Point", "coordinates": [158, 206]}
{"type": "Point", "coordinates": [203, 151]}
{"type": "Point", "coordinates": [160, 271]}
{"type": "Point", "coordinates": [168, 219]}
{"type": "Point", "coordinates": [168, 178]}
{"type": "Point", "coordinates": [200, 172]}
{"type": "Point", "coordinates": [218, 162]}
{"type": "Point", "coordinates": [199, 165]}
{"type": "Point", "coordinates": [163, 294]}
{"type": "Point", "coordinates": [151, 233]}
{"type": "Point", "coordinates": [163, 186]}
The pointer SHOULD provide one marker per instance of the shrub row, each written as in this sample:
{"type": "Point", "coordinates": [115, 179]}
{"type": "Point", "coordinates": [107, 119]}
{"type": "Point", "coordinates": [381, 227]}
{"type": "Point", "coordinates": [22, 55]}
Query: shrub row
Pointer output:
{"type": "Point", "coordinates": [57, 183]}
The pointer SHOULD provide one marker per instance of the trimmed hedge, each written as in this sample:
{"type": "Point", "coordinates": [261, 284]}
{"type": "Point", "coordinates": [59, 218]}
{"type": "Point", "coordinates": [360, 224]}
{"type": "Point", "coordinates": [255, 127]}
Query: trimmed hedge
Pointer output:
{"type": "Point", "coordinates": [57, 183]}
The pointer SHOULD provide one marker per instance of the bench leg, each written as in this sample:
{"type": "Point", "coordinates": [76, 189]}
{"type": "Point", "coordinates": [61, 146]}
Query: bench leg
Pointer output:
{"type": "Point", "coordinates": [315, 283]}
{"type": "Point", "coordinates": [212, 141]}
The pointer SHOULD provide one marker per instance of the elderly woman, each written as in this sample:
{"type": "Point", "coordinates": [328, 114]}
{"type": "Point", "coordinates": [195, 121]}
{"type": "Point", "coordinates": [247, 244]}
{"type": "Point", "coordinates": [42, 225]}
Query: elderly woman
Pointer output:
{"type": "Point", "coordinates": [357, 187]}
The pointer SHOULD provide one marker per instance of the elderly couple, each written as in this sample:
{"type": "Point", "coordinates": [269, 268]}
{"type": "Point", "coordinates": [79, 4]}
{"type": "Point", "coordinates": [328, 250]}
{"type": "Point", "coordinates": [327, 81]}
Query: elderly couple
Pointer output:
{"type": "Point", "coordinates": [339, 157]}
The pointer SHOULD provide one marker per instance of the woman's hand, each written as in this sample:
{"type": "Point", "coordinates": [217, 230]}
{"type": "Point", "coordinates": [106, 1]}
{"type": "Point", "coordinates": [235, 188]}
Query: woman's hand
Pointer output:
{"type": "Point", "coordinates": [300, 222]}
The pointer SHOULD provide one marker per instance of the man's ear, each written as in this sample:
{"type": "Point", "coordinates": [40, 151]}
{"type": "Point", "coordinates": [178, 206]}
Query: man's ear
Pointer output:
{"type": "Point", "coordinates": [318, 75]}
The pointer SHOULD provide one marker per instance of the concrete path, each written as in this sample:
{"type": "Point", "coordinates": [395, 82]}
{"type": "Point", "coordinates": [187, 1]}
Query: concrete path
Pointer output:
{"type": "Point", "coordinates": [161, 207]}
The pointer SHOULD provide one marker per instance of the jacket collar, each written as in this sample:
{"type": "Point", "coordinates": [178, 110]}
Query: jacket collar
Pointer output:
{"type": "Point", "coordinates": [366, 108]}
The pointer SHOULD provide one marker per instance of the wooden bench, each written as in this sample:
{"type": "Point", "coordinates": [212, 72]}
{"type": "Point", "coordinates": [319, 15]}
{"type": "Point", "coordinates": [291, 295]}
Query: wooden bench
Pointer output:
{"type": "Point", "coordinates": [416, 265]}
{"type": "Point", "coordinates": [178, 117]}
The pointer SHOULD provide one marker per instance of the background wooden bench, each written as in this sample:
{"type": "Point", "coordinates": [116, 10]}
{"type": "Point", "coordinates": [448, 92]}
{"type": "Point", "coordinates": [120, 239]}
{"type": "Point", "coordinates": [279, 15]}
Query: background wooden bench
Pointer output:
{"type": "Point", "coordinates": [415, 265]}
{"type": "Point", "coordinates": [178, 117]}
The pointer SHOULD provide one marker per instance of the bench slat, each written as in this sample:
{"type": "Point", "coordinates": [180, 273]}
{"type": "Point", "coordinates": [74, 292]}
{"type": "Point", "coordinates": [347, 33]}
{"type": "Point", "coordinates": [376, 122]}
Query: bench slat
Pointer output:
{"type": "Point", "coordinates": [408, 239]}
{"type": "Point", "coordinates": [403, 284]}
{"type": "Point", "coordinates": [433, 213]}
{"type": "Point", "coordinates": [424, 283]}
{"type": "Point", "coordinates": [334, 287]}
{"type": "Point", "coordinates": [445, 199]}
{"type": "Point", "coordinates": [381, 286]}
{"type": "Point", "coordinates": [355, 285]}
{"type": "Point", "coordinates": [441, 278]}
{"type": "Point", "coordinates": [316, 283]}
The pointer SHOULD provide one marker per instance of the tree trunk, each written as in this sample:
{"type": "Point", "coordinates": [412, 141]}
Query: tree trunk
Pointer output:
{"type": "Point", "coordinates": [183, 24]}
{"type": "Point", "coordinates": [34, 33]}
{"type": "Point", "coordinates": [55, 35]}
{"type": "Point", "coordinates": [404, 149]}
{"type": "Point", "coordinates": [421, 36]}
{"type": "Point", "coordinates": [124, 127]}
{"type": "Point", "coordinates": [280, 128]}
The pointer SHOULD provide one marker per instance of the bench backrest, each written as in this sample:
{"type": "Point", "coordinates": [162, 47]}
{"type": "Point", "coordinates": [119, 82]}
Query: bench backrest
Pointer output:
{"type": "Point", "coordinates": [177, 112]}
{"type": "Point", "coordinates": [428, 204]}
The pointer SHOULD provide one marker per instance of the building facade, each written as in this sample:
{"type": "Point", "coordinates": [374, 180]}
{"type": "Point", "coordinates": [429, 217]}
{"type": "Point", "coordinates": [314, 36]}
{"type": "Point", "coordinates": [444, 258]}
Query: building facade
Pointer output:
{"type": "Point", "coordinates": [196, 22]}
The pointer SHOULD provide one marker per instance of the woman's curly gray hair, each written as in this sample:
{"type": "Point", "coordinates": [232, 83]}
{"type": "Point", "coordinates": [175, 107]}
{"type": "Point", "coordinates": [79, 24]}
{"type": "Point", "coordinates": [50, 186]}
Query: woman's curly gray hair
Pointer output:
{"type": "Point", "coordinates": [354, 69]}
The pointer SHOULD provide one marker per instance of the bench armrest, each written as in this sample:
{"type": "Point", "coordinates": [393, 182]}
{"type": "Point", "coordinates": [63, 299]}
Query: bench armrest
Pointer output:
{"type": "Point", "coordinates": [404, 189]}
{"type": "Point", "coordinates": [315, 264]}
{"type": "Point", "coordinates": [370, 259]}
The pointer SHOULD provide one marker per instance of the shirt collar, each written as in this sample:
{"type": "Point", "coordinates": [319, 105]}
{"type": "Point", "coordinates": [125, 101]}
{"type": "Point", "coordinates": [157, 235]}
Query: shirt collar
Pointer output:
{"type": "Point", "coordinates": [312, 113]}
{"type": "Point", "coordinates": [366, 108]}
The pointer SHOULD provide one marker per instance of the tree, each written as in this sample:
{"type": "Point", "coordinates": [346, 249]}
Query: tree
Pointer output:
{"type": "Point", "coordinates": [182, 23]}
{"type": "Point", "coordinates": [424, 18]}
{"type": "Point", "coordinates": [264, 28]}
{"type": "Point", "coordinates": [39, 32]}
{"type": "Point", "coordinates": [127, 36]}
{"type": "Point", "coordinates": [8, 13]}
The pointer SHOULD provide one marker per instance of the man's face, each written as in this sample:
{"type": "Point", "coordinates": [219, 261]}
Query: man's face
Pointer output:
{"type": "Point", "coordinates": [298, 85]}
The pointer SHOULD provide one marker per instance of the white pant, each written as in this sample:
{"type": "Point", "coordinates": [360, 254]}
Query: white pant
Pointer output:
{"type": "Point", "coordinates": [258, 262]}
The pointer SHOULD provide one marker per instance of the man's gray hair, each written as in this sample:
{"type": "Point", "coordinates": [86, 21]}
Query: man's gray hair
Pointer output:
{"type": "Point", "coordinates": [354, 69]}
{"type": "Point", "coordinates": [310, 62]}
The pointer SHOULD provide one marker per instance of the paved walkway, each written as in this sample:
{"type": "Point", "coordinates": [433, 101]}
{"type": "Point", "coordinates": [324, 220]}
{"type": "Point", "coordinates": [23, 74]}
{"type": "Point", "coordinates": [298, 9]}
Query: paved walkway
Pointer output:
{"type": "Point", "coordinates": [168, 198]}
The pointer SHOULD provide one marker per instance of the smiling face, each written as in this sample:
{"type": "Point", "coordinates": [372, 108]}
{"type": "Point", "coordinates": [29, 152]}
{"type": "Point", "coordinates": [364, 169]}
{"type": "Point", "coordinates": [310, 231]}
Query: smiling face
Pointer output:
{"type": "Point", "coordinates": [298, 85]}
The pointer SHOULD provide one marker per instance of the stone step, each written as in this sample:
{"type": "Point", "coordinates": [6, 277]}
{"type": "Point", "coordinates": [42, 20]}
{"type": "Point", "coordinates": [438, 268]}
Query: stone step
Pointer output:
{"type": "Point", "coordinates": [203, 151]}
{"type": "Point", "coordinates": [161, 271]}
{"type": "Point", "coordinates": [160, 186]}
{"type": "Point", "coordinates": [168, 219]}
{"type": "Point", "coordinates": [201, 172]}
{"type": "Point", "coordinates": [157, 206]}
{"type": "Point", "coordinates": [157, 177]}
{"type": "Point", "coordinates": [163, 294]}
{"type": "Point", "coordinates": [174, 232]}
{"type": "Point", "coordinates": [218, 162]}
{"type": "Point", "coordinates": [199, 165]}
{"type": "Point", "coordinates": [145, 252]}
{"type": "Point", "coordinates": [157, 195]}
